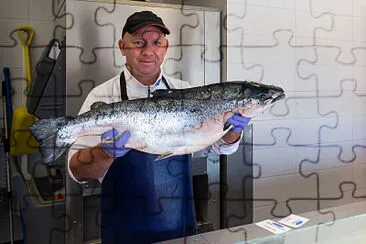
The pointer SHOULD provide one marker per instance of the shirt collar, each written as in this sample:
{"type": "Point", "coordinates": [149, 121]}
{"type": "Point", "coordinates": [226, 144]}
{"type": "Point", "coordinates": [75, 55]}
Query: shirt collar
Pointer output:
{"type": "Point", "coordinates": [137, 90]}
{"type": "Point", "coordinates": [135, 83]}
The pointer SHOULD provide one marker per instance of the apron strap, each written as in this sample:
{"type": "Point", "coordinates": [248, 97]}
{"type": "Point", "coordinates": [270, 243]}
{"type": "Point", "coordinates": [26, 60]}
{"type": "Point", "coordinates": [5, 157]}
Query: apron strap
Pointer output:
{"type": "Point", "coordinates": [122, 82]}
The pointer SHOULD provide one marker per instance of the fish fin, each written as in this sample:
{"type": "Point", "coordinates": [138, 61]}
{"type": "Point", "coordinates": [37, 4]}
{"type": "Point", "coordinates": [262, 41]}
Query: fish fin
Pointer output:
{"type": "Point", "coordinates": [227, 127]}
{"type": "Point", "coordinates": [164, 156]}
{"type": "Point", "coordinates": [97, 105]}
{"type": "Point", "coordinates": [163, 92]}
{"type": "Point", "coordinates": [45, 131]}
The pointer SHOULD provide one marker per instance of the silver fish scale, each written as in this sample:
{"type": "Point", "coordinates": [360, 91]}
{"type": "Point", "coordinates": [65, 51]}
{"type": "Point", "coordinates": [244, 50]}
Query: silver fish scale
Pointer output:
{"type": "Point", "coordinates": [172, 122]}
{"type": "Point", "coordinates": [170, 112]}
{"type": "Point", "coordinates": [146, 117]}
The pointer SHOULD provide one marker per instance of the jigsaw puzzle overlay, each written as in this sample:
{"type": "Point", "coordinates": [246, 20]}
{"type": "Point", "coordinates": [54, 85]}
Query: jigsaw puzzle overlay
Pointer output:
{"type": "Point", "coordinates": [308, 151]}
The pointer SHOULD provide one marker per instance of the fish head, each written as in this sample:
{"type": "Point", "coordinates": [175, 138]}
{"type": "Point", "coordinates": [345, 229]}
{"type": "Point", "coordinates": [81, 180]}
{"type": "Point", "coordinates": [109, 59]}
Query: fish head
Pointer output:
{"type": "Point", "coordinates": [253, 98]}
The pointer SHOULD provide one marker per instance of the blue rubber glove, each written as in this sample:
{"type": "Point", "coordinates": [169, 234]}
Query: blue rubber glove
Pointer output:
{"type": "Point", "coordinates": [114, 144]}
{"type": "Point", "coordinates": [239, 122]}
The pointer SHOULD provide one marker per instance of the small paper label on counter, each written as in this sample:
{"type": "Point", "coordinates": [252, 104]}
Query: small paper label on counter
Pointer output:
{"type": "Point", "coordinates": [294, 221]}
{"type": "Point", "coordinates": [273, 226]}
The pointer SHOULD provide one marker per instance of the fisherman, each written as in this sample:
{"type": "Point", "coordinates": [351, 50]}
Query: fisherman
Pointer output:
{"type": "Point", "coordinates": [142, 200]}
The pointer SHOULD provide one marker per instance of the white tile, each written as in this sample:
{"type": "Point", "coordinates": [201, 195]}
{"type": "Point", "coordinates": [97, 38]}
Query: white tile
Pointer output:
{"type": "Point", "coordinates": [306, 24]}
{"type": "Point", "coordinates": [359, 74]}
{"type": "Point", "coordinates": [330, 55]}
{"type": "Point", "coordinates": [282, 188]}
{"type": "Point", "coordinates": [277, 161]}
{"type": "Point", "coordinates": [11, 57]}
{"type": "Point", "coordinates": [235, 38]}
{"type": "Point", "coordinates": [305, 105]}
{"type": "Point", "coordinates": [8, 28]}
{"type": "Point", "coordinates": [335, 199]}
{"type": "Point", "coordinates": [341, 49]}
{"type": "Point", "coordinates": [323, 158]}
{"type": "Point", "coordinates": [281, 210]}
{"type": "Point", "coordinates": [235, 12]}
{"type": "Point", "coordinates": [359, 127]}
{"type": "Point", "coordinates": [275, 19]}
{"type": "Point", "coordinates": [304, 49]}
{"type": "Point", "coordinates": [335, 156]}
{"type": "Point", "coordinates": [282, 75]}
{"type": "Point", "coordinates": [277, 74]}
{"type": "Point", "coordinates": [359, 8]}
{"type": "Point", "coordinates": [14, 9]}
{"type": "Point", "coordinates": [303, 43]}
{"type": "Point", "coordinates": [212, 50]}
{"type": "Point", "coordinates": [342, 131]}
{"type": "Point", "coordinates": [341, 7]}
{"type": "Point", "coordinates": [40, 10]}
{"type": "Point", "coordinates": [327, 77]}
{"type": "Point", "coordinates": [359, 52]}
{"type": "Point", "coordinates": [309, 131]}
{"type": "Point", "coordinates": [181, 59]}
{"type": "Point", "coordinates": [235, 55]}
{"type": "Point", "coordinates": [303, 5]}
{"type": "Point", "coordinates": [306, 84]}
{"type": "Point", "coordinates": [229, 2]}
{"type": "Point", "coordinates": [244, 71]}
{"type": "Point", "coordinates": [340, 104]}
{"type": "Point", "coordinates": [359, 152]}
{"type": "Point", "coordinates": [329, 180]}
{"type": "Point", "coordinates": [281, 54]}
{"type": "Point", "coordinates": [359, 195]}
{"type": "Point", "coordinates": [342, 29]}
{"type": "Point", "coordinates": [265, 40]}
{"type": "Point", "coordinates": [272, 133]}
{"type": "Point", "coordinates": [43, 31]}
{"type": "Point", "coordinates": [359, 173]}
{"type": "Point", "coordinates": [285, 4]}
{"type": "Point", "coordinates": [359, 29]}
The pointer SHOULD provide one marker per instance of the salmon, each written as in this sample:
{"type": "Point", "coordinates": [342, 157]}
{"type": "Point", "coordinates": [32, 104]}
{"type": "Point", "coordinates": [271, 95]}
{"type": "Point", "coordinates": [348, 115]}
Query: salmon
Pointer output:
{"type": "Point", "coordinates": [171, 122]}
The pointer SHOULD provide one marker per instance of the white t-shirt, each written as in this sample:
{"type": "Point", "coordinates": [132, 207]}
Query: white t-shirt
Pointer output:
{"type": "Point", "coordinates": [110, 92]}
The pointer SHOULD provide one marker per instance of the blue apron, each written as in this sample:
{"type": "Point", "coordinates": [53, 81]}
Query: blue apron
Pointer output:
{"type": "Point", "coordinates": [146, 201]}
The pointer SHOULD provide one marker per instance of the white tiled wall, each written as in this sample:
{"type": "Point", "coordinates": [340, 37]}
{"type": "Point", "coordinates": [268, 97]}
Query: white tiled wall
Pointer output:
{"type": "Point", "coordinates": [311, 146]}
{"type": "Point", "coordinates": [39, 15]}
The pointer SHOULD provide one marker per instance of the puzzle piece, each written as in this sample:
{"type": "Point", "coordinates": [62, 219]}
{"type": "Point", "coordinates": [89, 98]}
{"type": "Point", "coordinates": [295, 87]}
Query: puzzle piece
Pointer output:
{"type": "Point", "coordinates": [308, 150]}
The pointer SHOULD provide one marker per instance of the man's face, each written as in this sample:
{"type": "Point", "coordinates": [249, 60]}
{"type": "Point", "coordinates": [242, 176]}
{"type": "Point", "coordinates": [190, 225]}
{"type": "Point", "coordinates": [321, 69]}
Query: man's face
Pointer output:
{"type": "Point", "coordinates": [144, 51]}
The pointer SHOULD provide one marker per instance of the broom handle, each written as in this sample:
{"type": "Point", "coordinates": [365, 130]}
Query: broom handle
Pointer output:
{"type": "Point", "coordinates": [6, 149]}
{"type": "Point", "coordinates": [26, 43]}
{"type": "Point", "coordinates": [27, 66]}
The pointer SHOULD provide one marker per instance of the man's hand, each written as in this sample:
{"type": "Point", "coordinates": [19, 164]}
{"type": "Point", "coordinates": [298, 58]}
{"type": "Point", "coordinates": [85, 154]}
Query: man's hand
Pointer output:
{"type": "Point", "coordinates": [114, 144]}
{"type": "Point", "coordinates": [239, 122]}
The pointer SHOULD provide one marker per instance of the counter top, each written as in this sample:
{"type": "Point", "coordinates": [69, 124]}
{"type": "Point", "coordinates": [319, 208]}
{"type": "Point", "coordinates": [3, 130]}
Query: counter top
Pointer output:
{"type": "Point", "coordinates": [342, 224]}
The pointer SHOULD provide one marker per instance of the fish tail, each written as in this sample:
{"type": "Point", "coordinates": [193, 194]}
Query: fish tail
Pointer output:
{"type": "Point", "coordinates": [45, 131]}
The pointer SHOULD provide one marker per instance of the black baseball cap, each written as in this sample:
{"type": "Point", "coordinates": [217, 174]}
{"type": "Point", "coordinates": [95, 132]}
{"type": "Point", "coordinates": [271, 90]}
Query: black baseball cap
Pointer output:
{"type": "Point", "coordinates": [141, 19]}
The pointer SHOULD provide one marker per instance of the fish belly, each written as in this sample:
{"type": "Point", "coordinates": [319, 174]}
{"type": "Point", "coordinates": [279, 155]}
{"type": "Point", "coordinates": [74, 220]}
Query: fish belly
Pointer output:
{"type": "Point", "coordinates": [178, 142]}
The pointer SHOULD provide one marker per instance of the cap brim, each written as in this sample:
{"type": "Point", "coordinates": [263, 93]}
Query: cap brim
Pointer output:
{"type": "Point", "coordinates": [162, 27]}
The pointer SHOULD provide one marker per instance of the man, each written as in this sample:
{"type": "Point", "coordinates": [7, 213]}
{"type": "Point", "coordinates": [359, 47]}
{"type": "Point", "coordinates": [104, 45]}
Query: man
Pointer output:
{"type": "Point", "coordinates": [142, 200]}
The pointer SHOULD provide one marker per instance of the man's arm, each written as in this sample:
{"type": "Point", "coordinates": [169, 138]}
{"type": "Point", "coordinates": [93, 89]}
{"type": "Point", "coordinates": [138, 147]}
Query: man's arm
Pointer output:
{"type": "Point", "coordinates": [92, 160]}
{"type": "Point", "coordinates": [232, 137]}
{"type": "Point", "coordinates": [90, 163]}
{"type": "Point", "coordinates": [229, 143]}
